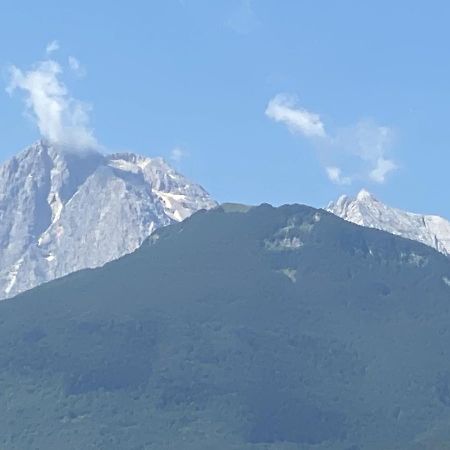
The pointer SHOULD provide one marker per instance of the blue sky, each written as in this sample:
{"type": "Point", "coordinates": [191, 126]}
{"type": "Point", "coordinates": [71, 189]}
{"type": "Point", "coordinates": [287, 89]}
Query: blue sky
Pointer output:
{"type": "Point", "coordinates": [264, 101]}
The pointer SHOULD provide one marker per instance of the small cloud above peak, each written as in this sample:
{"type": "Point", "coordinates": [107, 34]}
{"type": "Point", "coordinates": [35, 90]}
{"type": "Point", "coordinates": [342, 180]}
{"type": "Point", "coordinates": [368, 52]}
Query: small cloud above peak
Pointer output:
{"type": "Point", "coordinates": [60, 118]}
{"type": "Point", "coordinates": [382, 169]}
{"type": "Point", "coordinates": [177, 154]}
{"type": "Point", "coordinates": [335, 175]}
{"type": "Point", "coordinates": [359, 150]}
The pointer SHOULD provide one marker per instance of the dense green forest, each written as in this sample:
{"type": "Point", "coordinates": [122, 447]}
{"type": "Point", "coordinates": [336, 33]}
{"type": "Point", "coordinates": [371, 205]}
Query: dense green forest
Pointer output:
{"type": "Point", "coordinates": [240, 328]}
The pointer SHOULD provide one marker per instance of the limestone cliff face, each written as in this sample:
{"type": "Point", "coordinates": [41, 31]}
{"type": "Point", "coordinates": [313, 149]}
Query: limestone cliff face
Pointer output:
{"type": "Point", "coordinates": [61, 211]}
{"type": "Point", "coordinates": [367, 211]}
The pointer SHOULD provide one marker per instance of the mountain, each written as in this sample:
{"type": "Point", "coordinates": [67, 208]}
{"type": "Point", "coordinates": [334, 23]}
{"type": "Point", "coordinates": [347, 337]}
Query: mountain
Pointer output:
{"type": "Point", "coordinates": [240, 328]}
{"type": "Point", "coordinates": [367, 211]}
{"type": "Point", "coordinates": [62, 211]}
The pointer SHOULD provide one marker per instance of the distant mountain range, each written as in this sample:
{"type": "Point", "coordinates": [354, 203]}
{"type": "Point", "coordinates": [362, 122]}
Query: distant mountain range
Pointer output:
{"type": "Point", "coordinates": [61, 211]}
{"type": "Point", "coordinates": [239, 328]}
{"type": "Point", "coordinates": [367, 211]}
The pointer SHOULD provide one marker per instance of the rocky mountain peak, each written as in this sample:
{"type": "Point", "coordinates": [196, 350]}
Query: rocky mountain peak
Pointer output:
{"type": "Point", "coordinates": [63, 210]}
{"type": "Point", "coordinates": [366, 210]}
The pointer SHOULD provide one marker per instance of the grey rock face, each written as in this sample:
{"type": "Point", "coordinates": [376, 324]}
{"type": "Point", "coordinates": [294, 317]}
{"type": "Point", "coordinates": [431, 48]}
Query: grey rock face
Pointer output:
{"type": "Point", "coordinates": [62, 211]}
{"type": "Point", "coordinates": [367, 211]}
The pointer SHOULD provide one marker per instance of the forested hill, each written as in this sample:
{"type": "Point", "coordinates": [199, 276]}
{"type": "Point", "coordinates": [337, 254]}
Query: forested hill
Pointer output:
{"type": "Point", "coordinates": [239, 328]}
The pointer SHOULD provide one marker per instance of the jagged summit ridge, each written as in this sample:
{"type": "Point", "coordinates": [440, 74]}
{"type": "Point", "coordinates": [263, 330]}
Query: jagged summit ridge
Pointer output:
{"type": "Point", "coordinates": [366, 210]}
{"type": "Point", "coordinates": [62, 211]}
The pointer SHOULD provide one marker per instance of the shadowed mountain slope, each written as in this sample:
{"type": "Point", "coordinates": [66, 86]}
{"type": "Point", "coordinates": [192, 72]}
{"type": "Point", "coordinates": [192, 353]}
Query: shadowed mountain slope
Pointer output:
{"type": "Point", "coordinates": [276, 328]}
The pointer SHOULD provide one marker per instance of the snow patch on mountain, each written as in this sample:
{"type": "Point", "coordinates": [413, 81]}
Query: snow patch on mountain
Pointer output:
{"type": "Point", "coordinates": [367, 211]}
{"type": "Point", "coordinates": [62, 211]}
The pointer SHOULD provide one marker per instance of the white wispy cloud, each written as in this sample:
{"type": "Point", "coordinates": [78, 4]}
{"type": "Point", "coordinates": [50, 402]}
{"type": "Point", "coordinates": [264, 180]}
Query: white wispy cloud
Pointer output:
{"type": "Point", "coordinates": [61, 119]}
{"type": "Point", "coordinates": [283, 108]}
{"type": "Point", "coordinates": [335, 175]}
{"type": "Point", "coordinates": [382, 168]}
{"type": "Point", "coordinates": [177, 154]}
{"type": "Point", "coordinates": [52, 46]}
{"type": "Point", "coordinates": [76, 66]}
{"type": "Point", "coordinates": [360, 150]}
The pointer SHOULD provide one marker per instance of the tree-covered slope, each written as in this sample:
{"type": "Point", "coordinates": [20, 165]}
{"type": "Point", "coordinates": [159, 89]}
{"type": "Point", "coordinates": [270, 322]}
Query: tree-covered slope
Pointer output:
{"type": "Point", "coordinates": [275, 328]}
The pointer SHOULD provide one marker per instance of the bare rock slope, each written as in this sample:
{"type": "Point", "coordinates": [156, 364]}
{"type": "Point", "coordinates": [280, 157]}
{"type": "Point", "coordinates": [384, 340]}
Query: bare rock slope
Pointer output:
{"type": "Point", "coordinates": [62, 211]}
{"type": "Point", "coordinates": [367, 211]}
